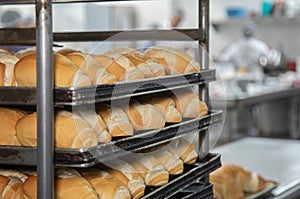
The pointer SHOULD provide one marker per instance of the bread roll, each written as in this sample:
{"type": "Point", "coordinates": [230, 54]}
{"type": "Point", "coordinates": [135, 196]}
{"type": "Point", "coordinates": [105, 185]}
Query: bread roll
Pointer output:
{"type": "Point", "coordinates": [189, 104]}
{"type": "Point", "coordinates": [71, 131]}
{"type": "Point", "coordinates": [130, 71]}
{"type": "Point", "coordinates": [250, 182]}
{"type": "Point", "coordinates": [2, 74]}
{"type": "Point", "coordinates": [13, 173]}
{"type": "Point", "coordinates": [97, 124]}
{"type": "Point", "coordinates": [116, 120]}
{"type": "Point", "coordinates": [9, 118]}
{"type": "Point", "coordinates": [150, 67]}
{"type": "Point", "coordinates": [224, 187]}
{"type": "Point", "coordinates": [6, 51]}
{"type": "Point", "coordinates": [170, 160]}
{"type": "Point", "coordinates": [65, 51]}
{"type": "Point", "coordinates": [68, 184]}
{"type": "Point", "coordinates": [92, 67]}
{"type": "Point", "coordinates": [66, 73]}
{"type": "Point", "coordinates": [9, 186]}
{"type": "Point", "coordinates": [106, 185]}
{"type": "Point", "coordinates": [145, 116]}
{"type": "Point", "coordinates": [22, 53]}
{"type": "Point", "coordinates": [185, 150]}
{"type": "Point", "coordinates": [176, 61]}
{"type": "Point", "coordinates": [111, 65]}
{"type": "Point", "coordinates": [166, 105]}
{"type": "Point", "coordinates": [7, 64]}
{"type": "Point", "coordinates": [233, 181]}
{"type": "Point", "coordinates": [153, 173]}
{"type": "Point", "coordinates": [128, 176]}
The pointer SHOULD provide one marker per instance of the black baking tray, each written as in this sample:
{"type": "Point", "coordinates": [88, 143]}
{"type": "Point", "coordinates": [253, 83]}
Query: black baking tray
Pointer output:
{"type": "Point", "coordinates": [87, 157]}
{"type": "Point", "coordinates": [192, 174]}
{"type": "Point", "coordinates": [197, 190]}
{"type": "Point", "coordinates": [92, 94]}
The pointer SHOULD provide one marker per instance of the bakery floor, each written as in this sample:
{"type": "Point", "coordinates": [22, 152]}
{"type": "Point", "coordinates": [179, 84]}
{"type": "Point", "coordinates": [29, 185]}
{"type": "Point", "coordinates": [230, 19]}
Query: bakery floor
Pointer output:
{"type": "Point", "coordinates": [275, 159]}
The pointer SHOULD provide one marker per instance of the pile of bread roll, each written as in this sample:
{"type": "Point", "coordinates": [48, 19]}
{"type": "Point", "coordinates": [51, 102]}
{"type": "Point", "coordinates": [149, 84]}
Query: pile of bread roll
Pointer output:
{"type": "Point", "coordinates": [234, 182]}
{"type": "Point", "coordinates": [87, 128]}
{"type": "Point", "coordinates": [120, 179]}
{"type": "Point", "coordinates": [77, 69]}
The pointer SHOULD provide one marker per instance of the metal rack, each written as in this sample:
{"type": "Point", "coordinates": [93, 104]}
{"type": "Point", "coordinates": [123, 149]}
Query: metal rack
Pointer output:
{"type": "Point", "coordinates": [45, 96]}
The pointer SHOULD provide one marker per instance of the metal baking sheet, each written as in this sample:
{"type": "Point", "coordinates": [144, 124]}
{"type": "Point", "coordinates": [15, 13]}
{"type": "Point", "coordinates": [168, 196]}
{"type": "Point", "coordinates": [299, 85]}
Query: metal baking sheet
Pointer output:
{"type": "Point", "coordinates": [87, 157]}
{"type": "Point", "coordinates": [101, 93]}
{"type": "Point", "coordinates": [265, 193]}
{"type": "Point", "coordinates": [195, 191]}
{"type": "Point", "coordinates": [192, 173]}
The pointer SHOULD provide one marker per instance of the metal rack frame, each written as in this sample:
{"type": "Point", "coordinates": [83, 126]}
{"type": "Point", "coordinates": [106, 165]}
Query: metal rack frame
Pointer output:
{"type": "Point", "coordinates": [45, 97]}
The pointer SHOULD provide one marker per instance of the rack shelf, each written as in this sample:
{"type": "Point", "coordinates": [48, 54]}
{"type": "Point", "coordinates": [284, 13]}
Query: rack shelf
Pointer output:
{"type": "Point", "coordinates": [87, 157]}
{"type": "Point", "coordinates": [101, 93]}
{"type": "Point", "coordinates": [26, 36]}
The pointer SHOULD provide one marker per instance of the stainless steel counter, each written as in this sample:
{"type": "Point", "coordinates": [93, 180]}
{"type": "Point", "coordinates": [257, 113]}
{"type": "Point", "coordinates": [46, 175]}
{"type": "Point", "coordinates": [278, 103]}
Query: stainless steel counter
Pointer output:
{"type": "Point", "coordinates": [270, 114]}
{"type": "Point", "coordinates": [274, 159]}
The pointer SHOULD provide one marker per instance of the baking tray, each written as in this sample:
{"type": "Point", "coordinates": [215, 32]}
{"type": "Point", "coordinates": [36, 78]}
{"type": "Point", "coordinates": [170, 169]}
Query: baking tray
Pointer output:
{"type": "Point", "coordinates": [195, 191]}
{"type": "Point", "coordinates": [191, 174]}
{"type": "Point", "coordinates": [100, 93]}
{"type": "Point", "coordinates": [265, 193]}
{"type": "Point", "coordinates": [87, 157]}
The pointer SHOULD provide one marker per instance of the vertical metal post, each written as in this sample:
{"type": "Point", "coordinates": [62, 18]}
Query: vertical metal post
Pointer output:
{"type": "Point", "coordinates": [45, 108]}
{"type": "Point", "coordinates": [204, 25]}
